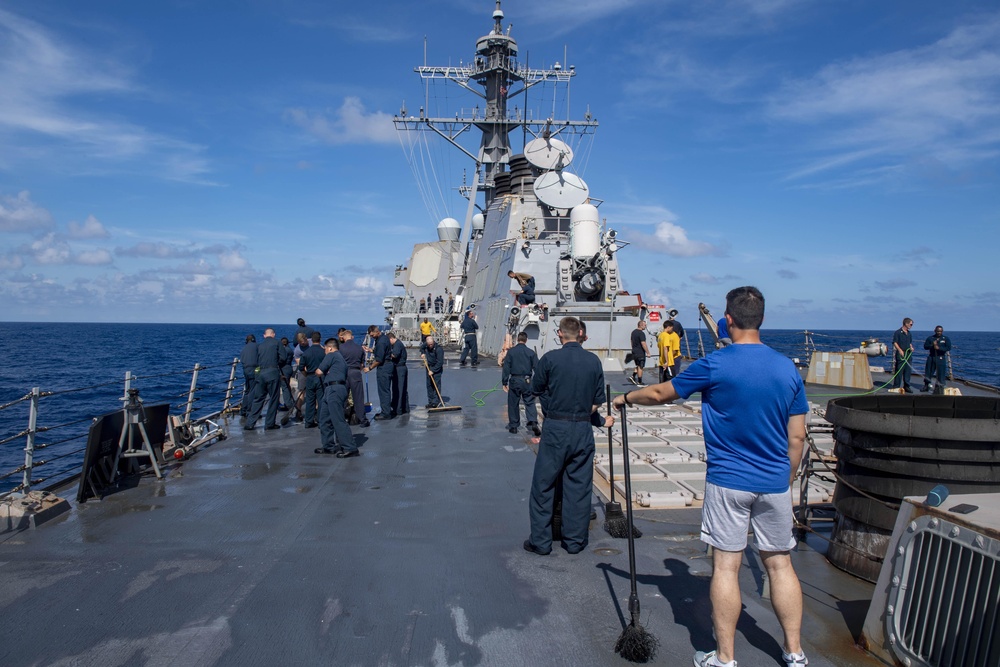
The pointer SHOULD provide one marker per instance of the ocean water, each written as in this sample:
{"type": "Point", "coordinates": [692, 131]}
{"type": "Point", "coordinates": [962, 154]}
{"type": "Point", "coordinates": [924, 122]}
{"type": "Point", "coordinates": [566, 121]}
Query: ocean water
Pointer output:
{"type": "Point", "coordinates": [84, 366]}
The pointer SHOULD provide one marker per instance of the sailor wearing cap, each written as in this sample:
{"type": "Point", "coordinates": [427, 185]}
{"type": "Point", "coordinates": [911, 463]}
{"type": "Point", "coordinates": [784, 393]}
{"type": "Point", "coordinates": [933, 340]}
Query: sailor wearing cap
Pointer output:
{"type": "Point", "coordinates": [518, 366]}
{"type": "Point", "coordinates": [572, 380]}
{"type": "Point", "coordinates": [469, 327]}
{"type": "Point", "coordinates": [335, 433]}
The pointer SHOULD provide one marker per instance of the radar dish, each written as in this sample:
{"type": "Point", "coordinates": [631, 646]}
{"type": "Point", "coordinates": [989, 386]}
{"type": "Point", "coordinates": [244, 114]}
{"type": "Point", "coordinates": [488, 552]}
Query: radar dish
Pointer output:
{"type": "Point", "coordinates": [548, 153]}
{"type": "Point", "coordinates": [560, 189]}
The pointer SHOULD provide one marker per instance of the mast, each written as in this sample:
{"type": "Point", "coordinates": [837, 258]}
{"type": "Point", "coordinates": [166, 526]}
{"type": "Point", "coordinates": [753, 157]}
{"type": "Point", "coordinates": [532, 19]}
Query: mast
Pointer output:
{"type": "Point", "coordinates": [495, 76]}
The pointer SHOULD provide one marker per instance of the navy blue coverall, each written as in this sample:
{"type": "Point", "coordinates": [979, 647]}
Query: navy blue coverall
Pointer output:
{"type": "Point", "coordinates": [383, 375]}
{"type": "Point", "coordinates": [268, 383]}
{"type": "Point", "coordinates": [435, 363]}
{"type": "Point", "coordinates": [572, 381]}
{"type": "Point", "coordinates": [334, 431]}
{"type": "Point", "coordinates": [248, 357]}
{"type": "Point", "coordinates": [469, 328]}
{"type": "Point", "coordinates": [354, 357]}
{"type": "Point", "coordinates": [518, 366]}
{"type": "Point", "coordinates": [310, 360]}
{"type": "Point", "coordinates": [400, 390]}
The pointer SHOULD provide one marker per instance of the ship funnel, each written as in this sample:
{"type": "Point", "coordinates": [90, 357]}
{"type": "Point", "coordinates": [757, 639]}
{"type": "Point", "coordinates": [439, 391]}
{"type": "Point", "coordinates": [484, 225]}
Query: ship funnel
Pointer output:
{"type": "Point", "coordinates": [449, 230]}
{"type": "Point", "coordinates": [585, 231]}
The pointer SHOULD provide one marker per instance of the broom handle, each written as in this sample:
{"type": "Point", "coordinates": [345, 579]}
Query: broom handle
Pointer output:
{"type": "Point", "coordinates": [436, 390]}
{"type": "Point", "coordinates": [628, 509]}
{"type": "Point", "coordinates": [611, 451]}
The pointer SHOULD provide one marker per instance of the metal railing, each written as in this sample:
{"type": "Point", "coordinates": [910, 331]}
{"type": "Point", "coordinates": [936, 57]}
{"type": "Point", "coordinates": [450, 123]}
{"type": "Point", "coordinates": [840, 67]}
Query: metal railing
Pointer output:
{"type": "Point", "coordinates": [211, 392]}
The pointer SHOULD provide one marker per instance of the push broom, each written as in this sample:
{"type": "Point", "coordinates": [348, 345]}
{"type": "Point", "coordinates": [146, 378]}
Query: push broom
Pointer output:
{"type": "Point", "coordinates": [634, 644]}
{"type": "Point", "coordinates": [615, 522]}
{"type": "Point", "coordinates": [442, 407]}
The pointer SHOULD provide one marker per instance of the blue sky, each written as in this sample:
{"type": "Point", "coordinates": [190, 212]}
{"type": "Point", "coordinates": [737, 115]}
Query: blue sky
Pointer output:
{"type": "Point", "coordinates": [224, 161]}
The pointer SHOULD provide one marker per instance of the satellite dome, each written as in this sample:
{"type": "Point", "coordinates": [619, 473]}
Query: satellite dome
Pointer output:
{"type": "Point", "coordinates": [478, 222]}
{"type": "Point", "coordinates": [449, 230]}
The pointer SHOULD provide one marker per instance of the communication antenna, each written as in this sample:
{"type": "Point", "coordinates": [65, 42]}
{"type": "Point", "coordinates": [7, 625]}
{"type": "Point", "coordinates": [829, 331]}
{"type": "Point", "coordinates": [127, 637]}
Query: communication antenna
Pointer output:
{"type": "Point", "coordinates": [561, 190]}
{"type": "Point", "coordinates": [548, 154]}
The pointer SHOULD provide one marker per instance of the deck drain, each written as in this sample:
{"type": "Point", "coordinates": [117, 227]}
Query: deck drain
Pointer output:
{"type": "Point", "coordinates": [374, 488]}
{"type": "Point", "coordinates": [606, 551]}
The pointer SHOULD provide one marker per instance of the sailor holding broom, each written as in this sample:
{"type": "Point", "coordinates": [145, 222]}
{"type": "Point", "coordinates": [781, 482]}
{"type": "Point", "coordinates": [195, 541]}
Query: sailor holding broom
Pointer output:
{"type": "Point", "coordinates": [753, 413]}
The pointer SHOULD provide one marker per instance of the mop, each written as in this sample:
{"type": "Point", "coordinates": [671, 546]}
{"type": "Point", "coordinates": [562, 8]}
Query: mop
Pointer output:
{"type": "Point", "coordinates": [442, 407]}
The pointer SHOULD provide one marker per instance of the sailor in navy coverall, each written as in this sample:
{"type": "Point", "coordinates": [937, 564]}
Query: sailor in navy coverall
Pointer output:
{"type": "Point", "coordinates": [383, 376]}
{"type": "Point", "coordinates": [469, 328]}
{"type": "Point", "coordinates": [268, 381]}
{"type": "Point", "coordinates": [248, 357]}
{"type": "Point", "coordinates": [434, 355]}
{"type": "Point", "coordinates": [336, 434]}
{"type": "Point", "coordinates": [572, 380]}
{"type": "Point", "coordinates": [518, 366]}
{"type": "Point", "coordinates": [354, 356]}
{"type": "Point", "coordinates": [400, 391]}
{"type": "Point", "coordinates": [310, 361]}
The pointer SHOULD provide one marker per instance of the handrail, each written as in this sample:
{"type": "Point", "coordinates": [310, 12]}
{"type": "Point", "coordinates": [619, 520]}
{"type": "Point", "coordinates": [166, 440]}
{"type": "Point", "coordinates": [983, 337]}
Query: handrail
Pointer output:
{"type": "Point", "coordinates": [214, 397]}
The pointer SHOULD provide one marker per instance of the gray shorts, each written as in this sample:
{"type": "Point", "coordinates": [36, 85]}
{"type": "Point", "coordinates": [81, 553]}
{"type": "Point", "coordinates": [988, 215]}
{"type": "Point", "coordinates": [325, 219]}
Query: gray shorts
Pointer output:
{"type": "Point", "coordinates": [727, 514]}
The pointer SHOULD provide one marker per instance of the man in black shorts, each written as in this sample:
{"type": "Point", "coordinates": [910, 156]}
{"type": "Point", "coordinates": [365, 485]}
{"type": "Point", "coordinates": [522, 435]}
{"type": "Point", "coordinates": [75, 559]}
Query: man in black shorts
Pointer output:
{"type": "Point", "coordinates": [640, 350]}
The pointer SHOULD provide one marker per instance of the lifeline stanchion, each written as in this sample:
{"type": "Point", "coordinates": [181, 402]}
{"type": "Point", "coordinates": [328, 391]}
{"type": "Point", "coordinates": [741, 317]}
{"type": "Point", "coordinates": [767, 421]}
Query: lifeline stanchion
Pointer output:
{"type": "Point", "coordinates": [635, 643]}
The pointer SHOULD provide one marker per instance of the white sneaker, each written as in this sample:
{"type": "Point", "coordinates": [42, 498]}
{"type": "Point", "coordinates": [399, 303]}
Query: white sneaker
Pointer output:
{"type": "Point", "coordinates": [794, 659]}
{"type": "Point", "coordinates": [702, 659]}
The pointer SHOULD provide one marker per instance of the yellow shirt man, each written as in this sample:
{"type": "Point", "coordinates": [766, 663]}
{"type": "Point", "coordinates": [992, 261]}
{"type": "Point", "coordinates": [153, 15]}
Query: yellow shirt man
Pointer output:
{"type": "Point", "coordinates": [426, 328]}
{"type": "Point", "coordinates": [670, 347]}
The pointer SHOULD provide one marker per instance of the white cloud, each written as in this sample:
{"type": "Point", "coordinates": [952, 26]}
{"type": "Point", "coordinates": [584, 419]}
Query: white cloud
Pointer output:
{"type": "Point", "coordinates": [20, 214]}
{"type": "Point", "coordinates": [705, 279]}
{"type": "Point", "coordinates": [939, 103]}
{"type": "Point", "coordinates": [233, 261]}
{"type": "Point", "coordinates": [50, 250]}
{"type": "Point", "coordinates": [50, 87]}
{"type": "Point", "coordinates": [639, 214]}
{"type": "Point", "coordinates": [91, 228]}
{"type": "Point", "coordinates": [11, 263]}
{"type": "Point", "coordinates": [673, 240]}
{"type": "Point", "coordinates": [96, 257]}
{"type": "Point", "coordinates": [369, 285]}
{"type": "Point", "coordinates": [350, 124]}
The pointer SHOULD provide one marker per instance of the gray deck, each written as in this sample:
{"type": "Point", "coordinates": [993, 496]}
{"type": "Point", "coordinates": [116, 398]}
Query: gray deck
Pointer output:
{"type": "Point", "coordinates": [259, 552]}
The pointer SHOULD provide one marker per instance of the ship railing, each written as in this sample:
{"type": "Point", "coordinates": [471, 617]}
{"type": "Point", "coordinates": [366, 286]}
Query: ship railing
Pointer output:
{"type": "Point", "coordinates": [210, 394]}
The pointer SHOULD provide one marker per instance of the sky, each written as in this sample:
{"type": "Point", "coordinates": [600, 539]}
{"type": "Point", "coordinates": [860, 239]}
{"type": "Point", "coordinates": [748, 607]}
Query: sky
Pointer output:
{"type": "Point", "coordinates": [236, 162]}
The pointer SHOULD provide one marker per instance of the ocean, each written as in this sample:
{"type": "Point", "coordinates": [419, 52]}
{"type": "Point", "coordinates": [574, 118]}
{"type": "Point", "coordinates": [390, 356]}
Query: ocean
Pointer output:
{"type": "Point", "coordinates": [84, 365]}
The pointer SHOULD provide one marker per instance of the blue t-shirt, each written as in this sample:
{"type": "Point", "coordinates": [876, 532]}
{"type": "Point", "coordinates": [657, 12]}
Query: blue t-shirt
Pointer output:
{"type": "Point", "coordinates": [748, 392]}
{"type": "Point", "coordinates": [723, 328]}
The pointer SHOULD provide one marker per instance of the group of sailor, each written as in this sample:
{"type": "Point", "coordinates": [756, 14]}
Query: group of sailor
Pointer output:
{"type": "Point", "coordinates": [937, 345]}
{"type": "Point", "coordinates": [327, 372]}
{"type": "Point", "coordinates": [668, 343]}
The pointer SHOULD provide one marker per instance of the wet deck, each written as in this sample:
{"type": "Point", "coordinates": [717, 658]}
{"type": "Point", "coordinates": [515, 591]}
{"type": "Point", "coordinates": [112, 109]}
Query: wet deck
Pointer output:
{"type": "Point", "coordinates": [259, 552]}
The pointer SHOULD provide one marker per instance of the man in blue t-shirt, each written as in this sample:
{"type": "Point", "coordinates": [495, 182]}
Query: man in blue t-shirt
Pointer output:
{"type": "Point", "coordinates": [753, 414]}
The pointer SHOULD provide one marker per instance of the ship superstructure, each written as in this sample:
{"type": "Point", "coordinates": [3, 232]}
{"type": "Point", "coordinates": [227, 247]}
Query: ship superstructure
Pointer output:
{"type": "Point", "coordinates": [527, 212]}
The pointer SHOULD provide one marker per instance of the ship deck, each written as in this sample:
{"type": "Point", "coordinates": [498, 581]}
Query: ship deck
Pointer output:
{"type": "Point", "coordinates": [258, 551]}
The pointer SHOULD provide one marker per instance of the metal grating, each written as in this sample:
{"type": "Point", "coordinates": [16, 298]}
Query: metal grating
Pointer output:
{"type": "Point", "coordinates": [942, 607]}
